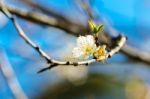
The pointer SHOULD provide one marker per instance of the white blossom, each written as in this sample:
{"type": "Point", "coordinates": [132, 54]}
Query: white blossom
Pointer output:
{"type": "Point", "coordinates": [85, 47]}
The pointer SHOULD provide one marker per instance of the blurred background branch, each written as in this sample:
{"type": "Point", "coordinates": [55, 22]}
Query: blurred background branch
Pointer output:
{"type": "Point", "coordinates": [9, 75]}
{"type": "Point", "coordinates": [46, 20]}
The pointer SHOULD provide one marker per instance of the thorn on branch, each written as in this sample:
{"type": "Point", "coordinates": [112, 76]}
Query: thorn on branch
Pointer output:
{"type": "Point", "coordinates": [86, 64]}
{"type": "Point", "coordinates": [109, 56]}
{"type": "Point", "coordinates": [75, 64]}
{"type": "Point", "coordinates": [46, 68]}
{"type": "Point", "coordinates": [67, 63]}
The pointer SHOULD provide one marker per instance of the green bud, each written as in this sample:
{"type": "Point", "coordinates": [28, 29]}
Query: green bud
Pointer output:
{"type": "Point", "coordinates": [92, 25]}
{"type": "Point", "coordinates": [99, 27]}
{"type": "Point", "coordinates": [95, 29]}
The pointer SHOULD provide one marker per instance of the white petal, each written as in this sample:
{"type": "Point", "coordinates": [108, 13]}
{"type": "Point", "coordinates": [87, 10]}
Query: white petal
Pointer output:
{"type": "Point", "coordinates": [85, 47]}
{"type": "Point", "coordinates": [81, 41]}
{"type": "Point", "coordinates": [77, 52]}
{"type": "Point", "coordinates": [90, 40]}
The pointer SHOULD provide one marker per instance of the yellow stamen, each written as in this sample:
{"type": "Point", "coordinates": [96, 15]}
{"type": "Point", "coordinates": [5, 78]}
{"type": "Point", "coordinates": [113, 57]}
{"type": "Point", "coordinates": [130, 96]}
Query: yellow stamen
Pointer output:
{"type": "Point", "coordinates": [101, 53]}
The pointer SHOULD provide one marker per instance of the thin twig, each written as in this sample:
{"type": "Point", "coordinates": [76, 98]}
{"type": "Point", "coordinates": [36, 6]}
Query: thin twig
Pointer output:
{"type": "Point", "coordinates": [75, 30]}
{"type": "Point", "coordinates": [10, 76]}
{"type": "Point", "coordinates": [52, 62]}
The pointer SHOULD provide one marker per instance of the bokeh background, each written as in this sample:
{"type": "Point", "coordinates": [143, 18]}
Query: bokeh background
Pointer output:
{"type": "Point", "coordinates": [120, 77]}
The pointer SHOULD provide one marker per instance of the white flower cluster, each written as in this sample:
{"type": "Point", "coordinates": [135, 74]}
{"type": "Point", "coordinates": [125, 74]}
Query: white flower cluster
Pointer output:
{"type": "Point", "coordinates": [86, 47]}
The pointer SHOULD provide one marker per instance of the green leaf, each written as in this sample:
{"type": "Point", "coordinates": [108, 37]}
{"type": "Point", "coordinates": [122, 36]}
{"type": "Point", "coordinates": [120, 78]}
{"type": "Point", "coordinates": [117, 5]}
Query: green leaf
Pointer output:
{"type": "Point", "coordinates": [98, 28]}
{"type": "Point", "coordinates": [95, 29]}
{"type": "Point", "coordinates": [92, 25]}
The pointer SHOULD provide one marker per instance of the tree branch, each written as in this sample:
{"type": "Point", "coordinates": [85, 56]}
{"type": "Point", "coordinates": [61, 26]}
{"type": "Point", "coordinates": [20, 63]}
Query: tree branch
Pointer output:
{"type": "Point", "coordinates": [136, 53]}
{"type": "Point", "coordinates": [53, 63]}
{"type": "Point", "coordinates": [127, 49]}
{"type": "Point", "coordinates": [34, 17]}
